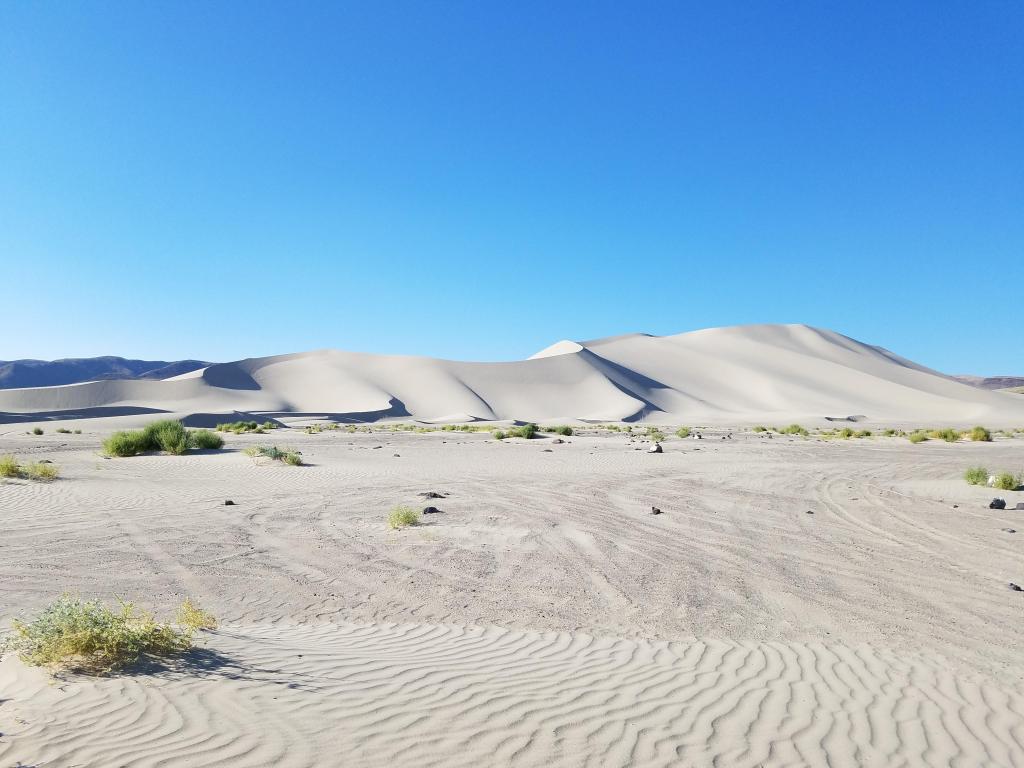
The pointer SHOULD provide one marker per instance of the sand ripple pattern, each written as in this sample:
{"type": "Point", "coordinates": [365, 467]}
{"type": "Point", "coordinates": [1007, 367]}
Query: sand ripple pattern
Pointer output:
{"type": "Point", "coordinates": [427, 695]}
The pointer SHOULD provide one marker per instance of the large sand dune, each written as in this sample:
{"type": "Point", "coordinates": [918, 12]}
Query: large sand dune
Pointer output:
{"type": "Point", "coordinates": [720, 375]}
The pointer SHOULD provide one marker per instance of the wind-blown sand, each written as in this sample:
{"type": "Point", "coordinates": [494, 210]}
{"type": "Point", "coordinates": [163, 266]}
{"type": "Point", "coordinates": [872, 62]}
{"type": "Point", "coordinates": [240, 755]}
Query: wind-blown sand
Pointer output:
{"type": "Point", "coordinates": [717, 376]}
{"type": "Point", "coordinates": [546, 618]}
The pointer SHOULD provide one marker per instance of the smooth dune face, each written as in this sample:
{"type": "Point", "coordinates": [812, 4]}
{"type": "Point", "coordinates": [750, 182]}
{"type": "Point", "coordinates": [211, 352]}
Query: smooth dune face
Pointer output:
{"type": "Point", "coordinates": [721, 375]}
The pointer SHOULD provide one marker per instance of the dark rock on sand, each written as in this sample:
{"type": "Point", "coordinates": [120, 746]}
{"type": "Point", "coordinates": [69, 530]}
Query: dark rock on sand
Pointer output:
{"type": "Point", "coordinates": [432, 511]}
{"type": "Point", "coordinates": [656, 448]}
{"type": "Point", "coordinates": [997, 504]}
{"type": "Point", "coordinates": [433, 495]}
{"type": "Point", "coordinates": [228, 503]}
{"type": "Point", "coordinates": [656, 511]}
{"type": "Point", "coordinates": [1016, 587]}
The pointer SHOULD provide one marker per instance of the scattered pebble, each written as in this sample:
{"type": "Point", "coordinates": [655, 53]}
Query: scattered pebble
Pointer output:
{"type": "Point", "coordinates": [997, 504]}
{"type": "Point", "coordinates": [810, 511]}
{"type": "Point", "coordinates": [656, 511]}
{"type": "Point", "coordinates": [1016, 587]}
{"type": "Point", "coordinates": [228, 503]}
{"type": "Point", "coordinates": [1009, 530]}
{"type": "Point", "coordinates": [398, 455]}
{"type": "Point", "coordinates": [432, 511]}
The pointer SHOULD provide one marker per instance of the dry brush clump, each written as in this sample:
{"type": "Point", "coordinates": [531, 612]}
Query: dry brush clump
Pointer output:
{"type": "Point", "coordinates": [89, 636]}
{"type": "Point", "coordinates": [402, 517]}
{"type": "Point", "coordinates": [291, 458]}
{"type": "Point", "coordinates": [34, 470]}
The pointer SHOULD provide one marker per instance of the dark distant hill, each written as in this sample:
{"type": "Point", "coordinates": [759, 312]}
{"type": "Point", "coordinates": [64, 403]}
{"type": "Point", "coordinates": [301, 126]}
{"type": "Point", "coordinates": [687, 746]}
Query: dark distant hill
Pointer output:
{"type": "Point", "coordinates": [992, 382]}
{"type": "Point", "coordinates": [48, 373]}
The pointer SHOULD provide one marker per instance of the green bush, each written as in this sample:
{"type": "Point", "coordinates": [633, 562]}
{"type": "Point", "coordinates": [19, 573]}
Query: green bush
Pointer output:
{"type": "Point", "coordinates": [527, 431]}
{"type": "Point", "coordinates": [655, 435]}
{"type": "Point", "coordinates": [167, 435]}
{"type": "Point", "coordinates": [204, 439]}
{"type": "Point", "coordinates": [976, 475]}
{"type": "Point", "coordinates": [499, 434]}
{"type": "Point", "coordinates": [1006, 481]}
{"type": "Point", "coordinates": [683, 432]}
{"type": "Point", "coordinates": [917, 437]}
{"type": "Point", "coordinates": [863, 433]}
{"type": "Point", "coordinates": [949, 435]}
{"type": "Point", "coordinates": [981, 435]}
{"type": "Point", "coordinates": [760, 428]}
{"type": "Point", "coordinates": [62, 431]}
{"type": "Point", "coordinates": [891, 433]}
{"type": "Point", "coordinates": [37, 431]}
{"type": "Point", "coordinates": [88, 636]}
{"type": "Point", "coordinates": [560, 430]}
{"type": "Point", "coordinates": [401, 517]}
{"type": "Point", "coordinates": [845, 433]}
{"type": "Point", "coordinates": [794, 429]}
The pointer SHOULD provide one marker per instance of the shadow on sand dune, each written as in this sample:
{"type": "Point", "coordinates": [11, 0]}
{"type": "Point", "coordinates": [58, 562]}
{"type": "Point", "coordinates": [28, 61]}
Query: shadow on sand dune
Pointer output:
{"type": "Point", "coordinates": [77, 413]}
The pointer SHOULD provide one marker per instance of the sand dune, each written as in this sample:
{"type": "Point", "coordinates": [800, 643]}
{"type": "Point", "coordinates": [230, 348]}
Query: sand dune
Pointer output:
{"type": "Point", "coordinates": [713, 376]}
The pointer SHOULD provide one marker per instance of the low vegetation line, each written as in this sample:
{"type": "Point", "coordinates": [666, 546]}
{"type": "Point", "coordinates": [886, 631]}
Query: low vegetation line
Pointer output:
{"type": "Point", "coordinates": [167, 435]}
{"type": "Point", "coordinates": [33, 470]}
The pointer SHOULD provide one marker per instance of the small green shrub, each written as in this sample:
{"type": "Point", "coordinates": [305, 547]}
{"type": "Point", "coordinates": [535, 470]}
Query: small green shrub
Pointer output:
{"type": "Point", "coordinates": [683, 432]}
{"type": "Point", "coordinates": [88, 636]}
{"type": "Point", "coordinates": [794, 429]}
{"type": "Point", "coordinates": [917, 437]}
{"type": "Point", "coordinates": [560, 430]}
{"type": "Point", "coordinates": [760, 428]}
{"type": "Point", "coordinates": [204, 439]}
{"type": "Point", "coordinates": [292, 458]}
{"type": "Point", "coordinates": [863, 433]}
{"type": "Point", "coordinates": [891, 433]}
{"type": "Point", "coordinates": [127, 443]}
{"type": "Point", "coordinates": [980, 435]}
{"type": "Point", "coordinates": [655, 435]}
{"type": "Point", "coordinates": [62, 431]}
{"type": "Point", "coordinates": [976, 475]}
{"type": "Point", "coordinates": [166, 435]}
{"type": "Point", "coordinates": [845, 433]}
{"type": "Point", "coordinates": [1006, 481]}
{"type": "Point", "coordinates": [527, 431]}
{"type": "Point", "coordinates": [499, 434]}
{"type": "Point", "coordinates": [37, 431]}
{"type": "Point", "coordinates": [401, 517]}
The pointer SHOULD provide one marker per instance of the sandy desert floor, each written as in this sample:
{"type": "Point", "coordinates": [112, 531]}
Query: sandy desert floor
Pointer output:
{"type": "Point", "coordinates": [546, 618]}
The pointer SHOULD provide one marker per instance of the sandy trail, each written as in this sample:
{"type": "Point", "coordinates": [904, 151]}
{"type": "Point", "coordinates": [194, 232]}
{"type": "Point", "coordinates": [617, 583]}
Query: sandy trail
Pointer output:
{"type": "Point", "coordinates": [546, 618]}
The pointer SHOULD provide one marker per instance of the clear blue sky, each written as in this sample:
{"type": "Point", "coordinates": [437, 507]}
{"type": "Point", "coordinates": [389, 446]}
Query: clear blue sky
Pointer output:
{"type": "Point", "coordinates": [476, 181]}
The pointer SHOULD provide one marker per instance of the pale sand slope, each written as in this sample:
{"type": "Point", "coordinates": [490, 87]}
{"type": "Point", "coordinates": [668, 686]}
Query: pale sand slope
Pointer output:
{"type": "Point", "coordinates": [722, 375]}
{"type": "Point", "coordinates": [735, 629]}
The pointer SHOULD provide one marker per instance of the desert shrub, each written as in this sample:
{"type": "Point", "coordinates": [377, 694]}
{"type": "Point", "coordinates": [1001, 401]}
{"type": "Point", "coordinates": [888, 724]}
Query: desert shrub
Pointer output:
{"type": "Point", "coordinates": [559, 430]}
{"type": "Point", "coordinates": [845, 433]}
{"type": "Point", "coordinates": [9, 466]}
{"type": "Point", "coordinates": [793, 429]}
{"type": "Point", "coordinates": [126, 443]}
{"type": "Point", "coordinates": [760, 428]}
{"type": "Point", "coordinates": [655, 435]}
{"type": "Point", "coordinates": [62, 431]}
{"type": "Point", "coordinates": [949, 435]}
{"type": "Point", "coordinates": [890, 433]}
{"type": "Point", "coordinates": [980, 435]}
{"type": "Point", "coordinates": [34, 470]}
{"type": "Point", "coordinates": [683, 432]}
{"type": "Point", "coordinates": [88, 636]}
{"type": "Point", "coordinates": [527, 431]}
{"type": "Point", "coordinates": [205, 439]}
{"type": "Point", "coordinates": [166, 435]}
{"type": "Point", "coordinates": [1006, 481]}
{"type": "Point", "coordinates": [37, 431]}
{"type": "Point", "coordinates": [401, 517]}
{"type": "Point", "coordinates": [917, 437]}
{"type": "Point", "coordinates": [292, 458]}
{"type": "Point", "coordinates": [976, 475]}
{"type": "Point", "coordinates": [863, 433]}
{"type": "Point", "coordinates": [499, 434]}
{"type": "Point", "coordinates": [239, 427]}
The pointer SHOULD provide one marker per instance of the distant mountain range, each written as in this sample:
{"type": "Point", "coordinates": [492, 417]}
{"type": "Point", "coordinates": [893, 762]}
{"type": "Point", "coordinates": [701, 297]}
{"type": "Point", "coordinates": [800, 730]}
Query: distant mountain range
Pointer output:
{"type": "Point", "coordinates": [50, 373]}
{"type": "Point", "coordinates": [993, 382]}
